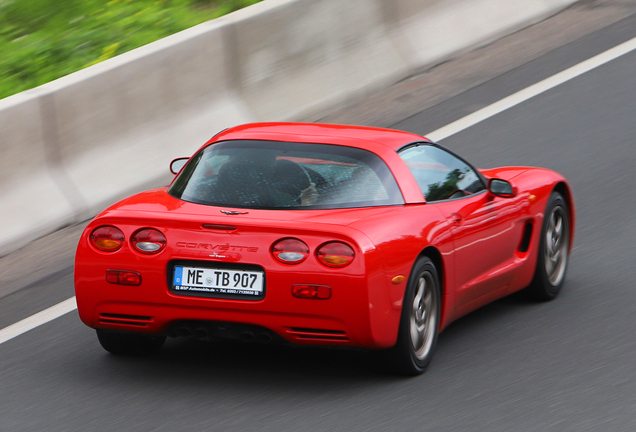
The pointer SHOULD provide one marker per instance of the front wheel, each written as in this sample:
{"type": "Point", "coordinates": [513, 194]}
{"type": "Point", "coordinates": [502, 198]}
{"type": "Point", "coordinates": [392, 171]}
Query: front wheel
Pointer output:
{"type": "Point", "coordinates": [419, 322]}
{"type": "Point", "coordinates": [554, 247]}
{"type": "Point", "coordinates": [132, 344]}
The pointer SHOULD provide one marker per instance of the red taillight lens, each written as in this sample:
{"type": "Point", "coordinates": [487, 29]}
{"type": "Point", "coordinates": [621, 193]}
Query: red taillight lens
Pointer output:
{"type": "Point", "coordinates": [335, 254]}
{"type": "Point", "coordinates": [290, 251]}
{"type": "Point", "coordinates": [322, 292]}
{"type": "Point", "coordinates": [107, 238]}
{"type": "Point", "coordinates": [122, 277]}
{"type": "Point", "coordinates": [148, 241]}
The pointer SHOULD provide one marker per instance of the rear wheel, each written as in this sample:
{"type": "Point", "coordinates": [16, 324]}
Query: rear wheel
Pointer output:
{"type": "Point", "coordinates": [125, 343]}
{"type": "Point", "coordinates": [419, 323]}
{"type": "Point", "coordinates": [553, 251]}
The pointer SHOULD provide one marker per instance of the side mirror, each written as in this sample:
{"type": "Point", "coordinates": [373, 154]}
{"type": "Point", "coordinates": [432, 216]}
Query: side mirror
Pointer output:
{"type": "Point", "coordinates": [177, 164]}
{"type": "Point", "coordinates": [501, 188]}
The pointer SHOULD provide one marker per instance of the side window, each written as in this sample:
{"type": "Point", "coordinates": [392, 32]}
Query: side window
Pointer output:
{"type": "Point", "coordinates": [440, 174]}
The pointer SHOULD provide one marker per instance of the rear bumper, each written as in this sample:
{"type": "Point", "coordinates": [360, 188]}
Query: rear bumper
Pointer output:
{"type": "Point", "coordinates": [217, 322]}
{"type": "Point", "coordinates": [360, 312]}
{"type": "Point", "coordinates": [345, 319]}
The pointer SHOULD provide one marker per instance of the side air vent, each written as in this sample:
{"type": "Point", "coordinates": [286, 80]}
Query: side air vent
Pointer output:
{"type": "Point", "coordinates": [525, 239]}
{"type": "Point", "coordinates": [129, 320]}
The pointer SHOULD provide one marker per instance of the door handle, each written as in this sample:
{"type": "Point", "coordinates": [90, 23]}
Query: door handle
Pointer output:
{"type": "Point", "coordinates": [456, 218]}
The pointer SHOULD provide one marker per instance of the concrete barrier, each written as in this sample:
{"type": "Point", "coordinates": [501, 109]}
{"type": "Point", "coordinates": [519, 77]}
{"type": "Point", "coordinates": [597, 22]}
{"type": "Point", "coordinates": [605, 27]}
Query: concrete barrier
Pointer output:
{"type": "Point", "coordinates": [431, 31]}
{"type": "Point", "coordinates": [33, 196]}
{"type": "Point", "coordinates": [119, 123]}
{"type": "Point", "coordinates": [297, 58]}
{"type": "Point", "coordinates": [77, 144]}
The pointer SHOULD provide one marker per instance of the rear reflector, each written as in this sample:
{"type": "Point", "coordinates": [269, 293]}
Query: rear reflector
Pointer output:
{"type": "Point", "coordinates": [123, 277]}
{"type": "Point", "coordinates": [321, 292]}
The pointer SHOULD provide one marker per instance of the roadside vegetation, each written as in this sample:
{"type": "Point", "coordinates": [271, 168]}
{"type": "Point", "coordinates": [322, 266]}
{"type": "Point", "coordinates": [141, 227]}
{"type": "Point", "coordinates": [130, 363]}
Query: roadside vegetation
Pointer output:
{"type": "Point", "coordinates": [42, 40]}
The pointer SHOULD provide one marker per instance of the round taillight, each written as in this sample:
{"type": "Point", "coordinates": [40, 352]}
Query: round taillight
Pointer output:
{"type": "Point", "coordinates": [335, 254]}
{"type": "Point", "coordinates": [290, 251]}
{"type": "Point", "coordinates": [107, 238]}
{"type": "Point", "coordinates": [148, 241]}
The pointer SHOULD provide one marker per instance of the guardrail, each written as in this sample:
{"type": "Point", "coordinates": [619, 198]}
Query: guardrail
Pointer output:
{"type": "Point", "coordinates": [73, 146]}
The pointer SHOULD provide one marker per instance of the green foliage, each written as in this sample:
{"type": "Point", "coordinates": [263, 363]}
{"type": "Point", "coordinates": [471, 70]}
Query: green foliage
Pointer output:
{"type": "Point", "coordinates": [42, 40]}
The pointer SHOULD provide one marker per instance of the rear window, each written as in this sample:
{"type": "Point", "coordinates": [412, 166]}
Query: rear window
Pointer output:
{"type": "Point", "coordinates": [282, 175]}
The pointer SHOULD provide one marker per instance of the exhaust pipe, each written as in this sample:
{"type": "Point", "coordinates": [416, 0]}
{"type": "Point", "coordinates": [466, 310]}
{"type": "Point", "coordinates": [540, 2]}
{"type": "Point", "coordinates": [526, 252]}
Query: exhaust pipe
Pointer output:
{"type": "Point", "coordinates": [246, 337]}
{"type": "Point", "coordinates": [184, 331]}
{"type": "Point", "coordinates": [201, 333]}
{"type": "Point", "coordinates": [263, 338]}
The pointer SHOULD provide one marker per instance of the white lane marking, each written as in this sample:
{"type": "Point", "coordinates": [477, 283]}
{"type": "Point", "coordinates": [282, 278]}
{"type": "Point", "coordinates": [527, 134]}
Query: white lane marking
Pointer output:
{"type": "Point", "coordinates": [464, 123]}
{"type": "Point", "coordinates": [532, 91]}
{"type": "Point", "coordinates": [37, 320]}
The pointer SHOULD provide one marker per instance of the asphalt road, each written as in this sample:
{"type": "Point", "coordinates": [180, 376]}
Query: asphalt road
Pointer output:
{"type": "Point", "coordinates": [567, 365]}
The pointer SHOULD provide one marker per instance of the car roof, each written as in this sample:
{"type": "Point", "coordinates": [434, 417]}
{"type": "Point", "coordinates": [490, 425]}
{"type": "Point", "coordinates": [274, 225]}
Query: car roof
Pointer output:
{"type": "Point", "coordinates": [353, 136]}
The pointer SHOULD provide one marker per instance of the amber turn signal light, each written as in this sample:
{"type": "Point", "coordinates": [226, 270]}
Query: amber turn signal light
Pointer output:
{"type": "Point", "coordinates": [107, 238]}
{"type": "Point", "coordinates": [398, 279]}
{"type": "Point", "coordinates": [335, 254]}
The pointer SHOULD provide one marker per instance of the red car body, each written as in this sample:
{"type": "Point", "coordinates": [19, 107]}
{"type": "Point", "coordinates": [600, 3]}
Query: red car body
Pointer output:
{"type": "Point", "coordinates": [484, 247]}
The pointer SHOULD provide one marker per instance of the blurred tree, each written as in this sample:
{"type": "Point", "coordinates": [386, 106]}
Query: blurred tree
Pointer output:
{"type": "Point", "coordinates": [42, 40]}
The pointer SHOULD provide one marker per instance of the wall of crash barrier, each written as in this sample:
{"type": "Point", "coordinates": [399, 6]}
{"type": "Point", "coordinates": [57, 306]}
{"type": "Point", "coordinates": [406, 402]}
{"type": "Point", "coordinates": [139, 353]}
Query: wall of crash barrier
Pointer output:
{"type": "Point", "coordinates": [73, 146]}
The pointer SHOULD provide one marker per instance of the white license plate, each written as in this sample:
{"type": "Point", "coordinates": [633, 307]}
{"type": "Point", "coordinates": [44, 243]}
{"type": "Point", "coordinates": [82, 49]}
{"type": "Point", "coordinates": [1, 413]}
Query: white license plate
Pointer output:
{"type": "Point", "coordinates": [218, 281]}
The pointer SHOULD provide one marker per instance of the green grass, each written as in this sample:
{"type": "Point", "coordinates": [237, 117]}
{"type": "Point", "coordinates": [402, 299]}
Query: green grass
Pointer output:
{"type": "Point", "coordinates": [41, 40]}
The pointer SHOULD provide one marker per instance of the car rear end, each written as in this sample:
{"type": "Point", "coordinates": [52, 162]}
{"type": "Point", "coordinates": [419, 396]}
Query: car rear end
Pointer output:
{"type": "Point", "coordinates": [251, 240]}
{"type": "Point", "coordinates": [306, 283]}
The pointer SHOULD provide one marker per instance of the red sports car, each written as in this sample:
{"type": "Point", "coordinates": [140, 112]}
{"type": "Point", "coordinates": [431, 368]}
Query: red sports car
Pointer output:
{"type": "Point", "coordinates": [321, 235]}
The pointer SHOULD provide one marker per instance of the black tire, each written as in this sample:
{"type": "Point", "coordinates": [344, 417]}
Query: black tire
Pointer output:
{"type": "Point", "coordinates": [419, 322]}
{"type": "Point", "coordinates": [132, 344]}
{"type": "Point", "coordinates": [554, 246]}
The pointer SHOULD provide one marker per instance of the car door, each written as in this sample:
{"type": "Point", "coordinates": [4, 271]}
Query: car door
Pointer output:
{"type": "Point", "coordinates": [485, 234]}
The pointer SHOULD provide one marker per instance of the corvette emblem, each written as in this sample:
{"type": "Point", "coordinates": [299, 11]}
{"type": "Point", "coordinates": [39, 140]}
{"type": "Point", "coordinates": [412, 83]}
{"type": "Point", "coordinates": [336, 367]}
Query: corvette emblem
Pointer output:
{"type": "Point", "coordinates": [232, 212]}
{"type": "Point", "coordinates": [217, 247]}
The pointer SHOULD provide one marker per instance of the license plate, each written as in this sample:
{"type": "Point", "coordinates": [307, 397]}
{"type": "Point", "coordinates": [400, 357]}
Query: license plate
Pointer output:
{"type": "Point", "coordinates": [218, 281]}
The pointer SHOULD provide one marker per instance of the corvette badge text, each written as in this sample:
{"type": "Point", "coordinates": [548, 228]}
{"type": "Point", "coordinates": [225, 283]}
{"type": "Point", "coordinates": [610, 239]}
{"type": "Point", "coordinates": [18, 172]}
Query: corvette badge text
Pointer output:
{"type": "Point", "coordinates": [218, 247]}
